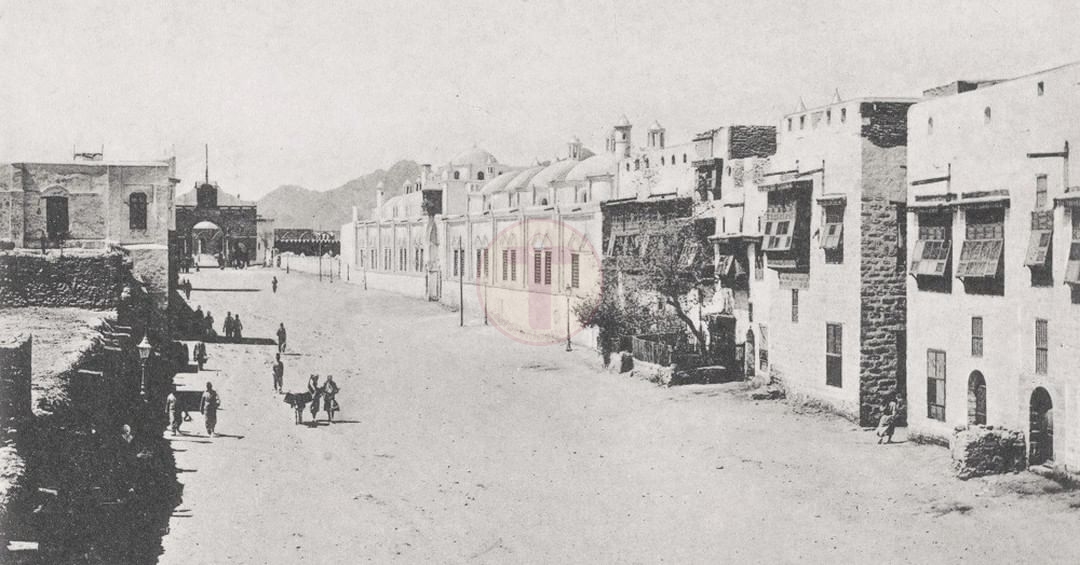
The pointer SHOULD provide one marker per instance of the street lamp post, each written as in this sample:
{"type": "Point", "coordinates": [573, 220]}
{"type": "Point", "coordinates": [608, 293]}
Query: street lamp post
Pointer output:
{"type": "Point", "coordinates": [568, 348]}
{"type": "Point", "coordinates": [461, 282]}
{"type": "Point", "coordinates": [144, 348]}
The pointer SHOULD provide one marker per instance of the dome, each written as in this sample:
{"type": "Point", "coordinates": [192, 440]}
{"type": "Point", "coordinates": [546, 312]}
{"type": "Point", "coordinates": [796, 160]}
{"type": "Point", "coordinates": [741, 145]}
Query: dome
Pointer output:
{"type": "Point", "coordinates": [521, 180]}
{"type": "Point", "coordinates": [498, 184]}
{"type": "Point", "coordinates": [205, 225]}
{"type": "Point", "coordinates": [623, 122]}
{"type": "Point", "coordinates": [604, 164]}
{"type": "Point", "coordinates": [554, 172]}
{"type": "Point", "coordinates": [575, 139]}
{"type": "Point", "coordinates": [475, 157]}
{"type": "Point", "coordinates": [656, 126]}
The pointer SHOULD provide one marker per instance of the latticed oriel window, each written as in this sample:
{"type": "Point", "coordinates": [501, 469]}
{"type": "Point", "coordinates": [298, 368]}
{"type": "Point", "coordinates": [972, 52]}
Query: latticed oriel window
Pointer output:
{"type": "Point", "coordinates": [1042, 346]}
{"type": "Point", "coordinates": [935, 384]}
{"type": "Point", "coordinates": [983, 244]}
{"type": "Point", "coordinates": [1042, 230]}
{"type": "Point", "coordinates": [1072, 269]}
{"type": "Point", "coordinates": [930, 257]}
{"type": "Point", "coordinates": [976, 336]}
{"type": "Point", "coordinates": [832, 234]}
{"type": "Point", "coordinates": [779, 220]}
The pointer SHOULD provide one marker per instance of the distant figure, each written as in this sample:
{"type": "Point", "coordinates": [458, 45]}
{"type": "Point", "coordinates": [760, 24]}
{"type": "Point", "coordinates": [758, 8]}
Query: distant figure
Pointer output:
{"type": "Point", "coordinates": [273, 284]}
{"type": "Point", "coordinates": [330, 404]}
{"type": "Point", "coordinates": [200, 354]}
{"type": "Point", "coordinates": [173, 412]}
{"type": "Point", "coordinates": [228, 326]}
{"type": "Point", "coordinates": [125, 434]}
{"type": "Point", "coordinates": [200, 319]}
{"type": "Point", "coordinates": [315, 390]}
{"type": "Point", "coordinates": [209, 327]}
{"type": "Point", "coordinates": [279, 372]}
{"type": "Point", "coordinates": [237, 328]}
{"type": "Point", "coordinates": [887, 423]}
{"type": "Point", "coordinates": [281, 338]}
{"type": "Point", "coordinates": [209, 406]}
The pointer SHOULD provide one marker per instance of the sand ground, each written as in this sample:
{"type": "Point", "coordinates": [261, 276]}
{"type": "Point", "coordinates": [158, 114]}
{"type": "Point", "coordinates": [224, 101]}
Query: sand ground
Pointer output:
{"type": "Point", "coordinates": [463, 446]}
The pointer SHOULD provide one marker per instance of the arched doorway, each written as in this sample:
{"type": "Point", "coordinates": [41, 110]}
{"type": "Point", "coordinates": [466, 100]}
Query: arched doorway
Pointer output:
{"type": "Point", "coordinates": [976, 399]}
{"type": "Point", "coordinates": [750, 357]}
{"type": "Point", "coordinates": [207, 243]}
{"type": "Point", "coordinates": [1041, 438]}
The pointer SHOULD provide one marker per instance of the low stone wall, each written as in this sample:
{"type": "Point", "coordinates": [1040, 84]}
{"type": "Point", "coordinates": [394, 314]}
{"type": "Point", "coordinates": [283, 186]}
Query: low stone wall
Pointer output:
{"type": "Point", "coordinates": [88, 279]}
{"type": "Point", "coordinates": [987, 450]}
{"type": "Point", "coordinates": [15, 378]}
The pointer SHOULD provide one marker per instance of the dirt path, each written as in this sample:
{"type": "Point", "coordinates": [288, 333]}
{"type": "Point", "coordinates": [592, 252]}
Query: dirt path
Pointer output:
{"type": "Point", "coordinates": [461, 446]}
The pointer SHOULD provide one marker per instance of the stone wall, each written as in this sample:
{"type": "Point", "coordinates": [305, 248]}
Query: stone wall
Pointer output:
{"type": "Point", "coordinates": [987, 450]}
{"type": "Point", "coordinates": [884, 309]}
{"type": "Point", "coordinates": [15, 374]}
{"type": "Point", "coordinates": [84, 280]}
{"type": "Point", "coordinates": [887, 126]}
{"type": "Point", "coordinates": [752, 141]}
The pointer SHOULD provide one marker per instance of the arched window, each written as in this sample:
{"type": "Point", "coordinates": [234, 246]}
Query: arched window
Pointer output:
{"type": "Point", "coordinates": [930, 126]}
{"type": "Point", "coordinates": [457, 175]}
{"type": "Point", "coordinates": [137, 211]}
{"type": "Point", "coordinates": [543, 201]}
{"type": "Point", "coordinates": [986, 115]}
{"type": "Point", "coordinates": [663, 160]}
{"type": "Point", "coordinates": [684, 157]}
{"type": "Point", "coordinates": [480, 175]}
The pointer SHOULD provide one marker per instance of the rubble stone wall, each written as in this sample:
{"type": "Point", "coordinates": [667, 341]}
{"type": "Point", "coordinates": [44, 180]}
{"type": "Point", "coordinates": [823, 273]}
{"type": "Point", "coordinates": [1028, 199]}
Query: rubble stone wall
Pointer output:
{"type": "Point", "coordinates": [87, 281]}
{"type": "Point", "coordinates": [987, 450]}
{"type": "Point", "coordinates": [15, 374]}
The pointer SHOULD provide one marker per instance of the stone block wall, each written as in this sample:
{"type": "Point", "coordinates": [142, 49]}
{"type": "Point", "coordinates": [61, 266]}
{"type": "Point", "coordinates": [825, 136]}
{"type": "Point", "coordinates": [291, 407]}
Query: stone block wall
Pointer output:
{"type": "Point", "coordinates": [884, 309]}
{"type": "Point", "coordinates": [15, 374]}
{"type": "Point", "coordinates": [987, 450]}
{"type": "Point", "coordinates": [752, 141]}
{"type": "Point", "coordinates": [87, 280]}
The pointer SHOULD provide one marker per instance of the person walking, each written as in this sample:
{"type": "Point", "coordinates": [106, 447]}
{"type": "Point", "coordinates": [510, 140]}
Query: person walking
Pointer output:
{"type": "Point", "coordinates": [200, 354]}
{"type": "Point", "coordinates": [273, 284]}
{"type": "Point", "coordinates": [279, 372]}
{"type": "Point", "coordinates": [330, 404]}
{"type": "Point", "coordinates": [209, 405]}
{"type": "Point", "coordinates": [281, 338]}
{"type": "Point", "coordinates": [209, 328]}
{"type": "Point", "coordinates": [173, 412]}
{"type": "Point", "coordinates": [316, 394]}
{"type": "Point", "coordinates": [227, 326]}
{"type": "Point", "coordinates": [237, 328]}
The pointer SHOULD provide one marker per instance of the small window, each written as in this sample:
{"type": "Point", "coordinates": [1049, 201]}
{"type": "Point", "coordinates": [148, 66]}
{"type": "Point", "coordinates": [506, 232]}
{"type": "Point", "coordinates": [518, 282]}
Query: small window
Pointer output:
{"type": "Point", "coordinates": [684, 157]}
{"type": "Point", "coordinates": [536, 267]}
{"type": "Point", "coordinates": [457, 175]}
{"type": "Point", "coordinates": [547, 268]}
{"type": "Point", "coordinates": [930, 126]}
{"type": "Point", "coordinates": [986, 115]}
{"type": "Point", "coordinates": [935, 384]}
{"type": "Point", "coordinates": [137, 211]}
{"type": "Point", "coordinates": [513, 264]}
{"type": "Point", "coordinates": [828, 117]}
{"type": "Point", "coordinates": [1041, 88]}
{"type": "Point", "coordinates": [834, 355]}
{"type": "Point", "coordinates": [628, 165]}
{"type": "Point", "coordinates": [976, 336]}
{"type": "Point", "coordinates": [480, 175]}
{"type": "Point", "coordinates": [663, 160]}
{"type": "Point", "coordinates": [843, 115]}
{"type": "Point", "coordinates": [1041, 346]}
{"type": "Point", "coordinates": [794, 305]}
{"type": "Point", "coordinates": [575, 270]}
{"type": "Point", "coordinates": [802, 122]}
{"type": "Point", "coordinates": [1040, 192]}
{"type": "Point", "coordinates": [789, 124]}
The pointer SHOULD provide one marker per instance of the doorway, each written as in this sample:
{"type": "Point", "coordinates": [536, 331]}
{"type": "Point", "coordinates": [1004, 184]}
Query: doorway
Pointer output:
{"type": "Point", "coordinates": [1041, 440]}
{"type": "Point", "coordinates": [56, 217]}
{"type": "Point", "coordinates": [976, 399]}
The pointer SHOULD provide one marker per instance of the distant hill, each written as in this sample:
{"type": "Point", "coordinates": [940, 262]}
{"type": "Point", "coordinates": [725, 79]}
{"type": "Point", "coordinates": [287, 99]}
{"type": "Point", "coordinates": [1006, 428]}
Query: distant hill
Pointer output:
{"type": "Point", "coordinates": [293, 206]}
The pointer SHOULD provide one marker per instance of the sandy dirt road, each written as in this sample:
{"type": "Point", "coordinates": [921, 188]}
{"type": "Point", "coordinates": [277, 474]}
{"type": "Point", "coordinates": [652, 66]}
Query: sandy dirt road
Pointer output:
{"type": "Point", "coordinates": [462, 446]}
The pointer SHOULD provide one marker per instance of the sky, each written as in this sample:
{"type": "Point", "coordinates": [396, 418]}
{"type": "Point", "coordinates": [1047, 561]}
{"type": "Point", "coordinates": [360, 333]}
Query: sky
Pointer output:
{"type": "Point", "coordinates": [315, 93]}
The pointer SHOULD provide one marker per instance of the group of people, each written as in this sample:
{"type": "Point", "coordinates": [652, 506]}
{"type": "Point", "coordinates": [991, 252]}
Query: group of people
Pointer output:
{"type": "Point", "coordinates": [204, 323]}
{"type": "Point", "coordinates": [232, 327]}
{"type": "Point", "coordinates": [185, 286]}
{"type": "Point", "coordinates": [208, 407]}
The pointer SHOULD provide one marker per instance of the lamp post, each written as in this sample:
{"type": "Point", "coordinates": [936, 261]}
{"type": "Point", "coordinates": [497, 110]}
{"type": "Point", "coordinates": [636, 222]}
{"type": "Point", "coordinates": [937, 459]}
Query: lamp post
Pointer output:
{"type": "Point", "coordinates": [461, 282]}
{"type": "Point", "coordinates": [568, 348]}
{"type": "Point", "coordinates": [144, 348]}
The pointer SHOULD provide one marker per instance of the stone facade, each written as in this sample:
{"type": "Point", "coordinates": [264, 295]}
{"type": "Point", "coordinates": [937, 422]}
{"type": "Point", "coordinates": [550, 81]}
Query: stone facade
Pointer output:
{"type": "Point", "coordinates": [234, 234]}
{"type": "Point", "coordinates": [15, 373]}
{"type": "Point", "coordinates": [986, 450]}
{"type": "Point", "coordinates": [91, 279]}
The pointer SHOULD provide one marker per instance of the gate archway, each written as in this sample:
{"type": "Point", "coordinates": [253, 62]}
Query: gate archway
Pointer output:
{"type": "Point", "coordinates": [1041, 437]}
{"type": "Point", "coordinates": [976, 399]}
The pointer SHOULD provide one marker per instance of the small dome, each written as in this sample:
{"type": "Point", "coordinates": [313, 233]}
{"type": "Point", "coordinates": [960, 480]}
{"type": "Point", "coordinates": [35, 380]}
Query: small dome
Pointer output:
{"type": "Point", "coordinates": [575, 140]}
{"type": "Point", "coordinates": [656, 126]}
{"type": "Point", "coordinates": [554, 172]}
{"type": "Point", "coordinates": [521, 180]}
{"type": "Point", "coordinates": [623, 122]}
{"type": "Point", "coordinates": [604, 164]}
{"type": "Point", "coordinates": [475, 157]}
{"type": "Point", "coordinates": [498, 184]}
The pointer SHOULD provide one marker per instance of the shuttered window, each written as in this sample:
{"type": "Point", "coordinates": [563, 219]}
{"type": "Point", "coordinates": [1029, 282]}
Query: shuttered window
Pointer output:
{"type": "Point", "coordinates": [977, 336]}
{"type": "Point", "coordinates": [935, 384]}
{"type": "Point", "coordinates": [1042, 348]}
{"type": "Point", "coordinates": [547, 268]}
{"type": "Point", "coordinates": [980, 256]}
{"type": "Point", "coordinates": [505, 264]}
{"type": "Point", "coordinates": [575, 270]}
{"type": "Point", "coordinates": [834, 342]}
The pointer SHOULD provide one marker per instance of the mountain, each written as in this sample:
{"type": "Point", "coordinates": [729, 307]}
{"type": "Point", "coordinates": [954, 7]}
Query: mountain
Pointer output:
{"type": "Point", "coordinates": [293, 206]}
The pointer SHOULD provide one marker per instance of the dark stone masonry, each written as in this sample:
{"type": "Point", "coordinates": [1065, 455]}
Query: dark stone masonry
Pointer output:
{"type": "Point", "coordinates": [884, 310]}
{"type": "Point", "coordinates": [95, 281]}
{"type": "Point", "coordinates": [15, 372]}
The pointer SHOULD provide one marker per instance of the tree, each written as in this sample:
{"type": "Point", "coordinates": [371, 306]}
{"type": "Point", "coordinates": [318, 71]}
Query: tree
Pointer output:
{"type": "Point", "coordinates": [672, 268]}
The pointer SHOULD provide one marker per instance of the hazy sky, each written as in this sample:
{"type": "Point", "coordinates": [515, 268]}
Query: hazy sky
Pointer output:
{"type": "Point", "coordinates": [316, 93]}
